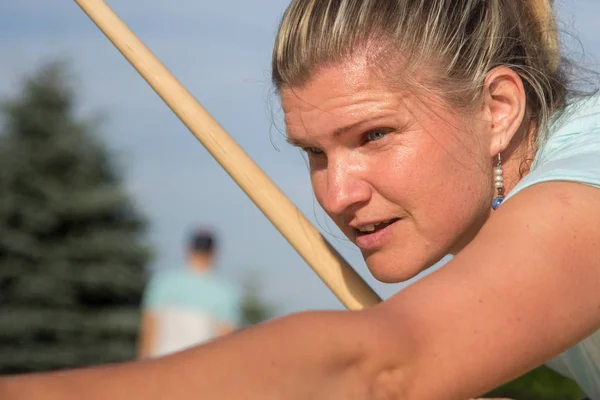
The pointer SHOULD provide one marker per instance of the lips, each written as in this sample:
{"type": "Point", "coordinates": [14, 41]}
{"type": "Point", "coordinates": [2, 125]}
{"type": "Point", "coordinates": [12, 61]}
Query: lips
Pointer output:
{"type": "Point", "coordinates": [375, 236]}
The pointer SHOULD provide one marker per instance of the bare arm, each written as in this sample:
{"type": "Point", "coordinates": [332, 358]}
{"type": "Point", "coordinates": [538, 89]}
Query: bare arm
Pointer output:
{"type": "Point", "coordinates": [225, 329]}
{"type": "Point", "coordinates": [523, 291]}
{"type": "Point", "coordinates": [324, 355]}
{"type": "Point", "coordinates": [147, 336]}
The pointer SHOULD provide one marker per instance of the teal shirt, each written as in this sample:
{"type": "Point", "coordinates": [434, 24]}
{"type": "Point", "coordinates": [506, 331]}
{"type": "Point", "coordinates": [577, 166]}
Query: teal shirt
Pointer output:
{"type": "Point", "coordinates": [185, 289]}
{"type": "Point", "coordinates": [572, 150]}
{"type": "Point", "coordinates": [572, 153]}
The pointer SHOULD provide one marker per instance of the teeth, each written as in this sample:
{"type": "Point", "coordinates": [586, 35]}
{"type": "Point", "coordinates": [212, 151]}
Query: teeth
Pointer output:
{"type": "Point", "coordinates": [368, 228]}
{"type": "Point", "coordinates": [371, 228]}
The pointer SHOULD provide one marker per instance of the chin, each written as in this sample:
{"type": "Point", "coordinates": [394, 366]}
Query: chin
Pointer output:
{"type": "Point", "coordinates": [390, 268]}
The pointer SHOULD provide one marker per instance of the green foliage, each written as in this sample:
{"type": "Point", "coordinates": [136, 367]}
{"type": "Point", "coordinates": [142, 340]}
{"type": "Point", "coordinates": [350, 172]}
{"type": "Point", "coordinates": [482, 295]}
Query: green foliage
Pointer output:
{"type": "Point", "coordinates": [72, 256]}
{"type": "Point", "coordinates": [540, 384]}
{"type": "Point", "coordinates": [254, 308]}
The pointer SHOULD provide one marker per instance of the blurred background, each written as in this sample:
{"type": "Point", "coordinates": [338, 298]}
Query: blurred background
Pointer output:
{"type": "Point", "coordinates": [100, 182]}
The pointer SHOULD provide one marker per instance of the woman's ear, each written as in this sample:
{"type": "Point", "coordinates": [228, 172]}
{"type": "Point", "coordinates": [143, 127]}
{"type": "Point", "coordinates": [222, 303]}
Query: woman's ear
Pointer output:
{"type": "Point", "coordinates": [505, 103]}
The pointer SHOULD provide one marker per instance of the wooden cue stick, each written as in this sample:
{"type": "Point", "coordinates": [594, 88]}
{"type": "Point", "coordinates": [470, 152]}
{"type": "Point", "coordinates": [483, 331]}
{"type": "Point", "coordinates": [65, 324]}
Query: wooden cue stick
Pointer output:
{"type": "Point", "coordinates": [341, 279]}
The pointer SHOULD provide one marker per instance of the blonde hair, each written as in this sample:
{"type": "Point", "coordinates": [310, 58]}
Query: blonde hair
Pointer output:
{"type": "Point", "coordinates": [467, 38]}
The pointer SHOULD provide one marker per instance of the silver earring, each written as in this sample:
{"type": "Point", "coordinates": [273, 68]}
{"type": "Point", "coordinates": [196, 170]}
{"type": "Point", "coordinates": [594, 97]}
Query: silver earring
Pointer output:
{"type": "Point", "coordinates": [498, 183]}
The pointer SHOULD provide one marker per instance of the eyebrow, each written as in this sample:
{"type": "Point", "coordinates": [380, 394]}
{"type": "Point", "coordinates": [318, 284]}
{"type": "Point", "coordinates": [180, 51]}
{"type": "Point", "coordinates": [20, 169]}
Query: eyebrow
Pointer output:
{"type": "Point", "coordinates": [337, 132]}
{"type": "Point", "coordinates": [296, 142]}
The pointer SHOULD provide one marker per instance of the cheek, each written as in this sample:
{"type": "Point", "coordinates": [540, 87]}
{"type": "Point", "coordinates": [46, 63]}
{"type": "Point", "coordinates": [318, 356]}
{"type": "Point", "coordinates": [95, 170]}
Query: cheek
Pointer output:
{"type": "Point", "coordinates": [318, 180]}
{"type": "Point", "coordinates": [318, 186]}
{"type": "Point", "coordinates": [456, 193]}
{"type": "Point", "coordinates": [440, 184]}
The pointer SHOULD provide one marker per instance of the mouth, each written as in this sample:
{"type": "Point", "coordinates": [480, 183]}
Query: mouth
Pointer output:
{"type": "Point", "coordinates": [374, 236]}
{"type": "Point", "coordinates": [374, 228]}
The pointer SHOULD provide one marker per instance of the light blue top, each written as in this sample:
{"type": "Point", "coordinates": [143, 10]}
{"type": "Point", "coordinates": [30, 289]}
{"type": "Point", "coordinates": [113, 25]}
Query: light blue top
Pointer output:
{"type": "Point", "coordinates": [572, 153]}
{"type": "Point", "coordinates": [202, 292]}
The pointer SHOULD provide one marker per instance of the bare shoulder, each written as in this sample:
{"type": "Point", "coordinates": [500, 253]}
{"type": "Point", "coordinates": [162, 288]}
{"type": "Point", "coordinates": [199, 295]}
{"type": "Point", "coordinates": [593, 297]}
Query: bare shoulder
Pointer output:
{"type": "Point", "coordinates": [550, 219]}
{"type": "Point", "coordinates": [523, 291]}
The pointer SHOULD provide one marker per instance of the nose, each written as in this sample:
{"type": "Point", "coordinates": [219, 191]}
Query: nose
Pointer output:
{"type": "Point", "coordinates": [347, 187]}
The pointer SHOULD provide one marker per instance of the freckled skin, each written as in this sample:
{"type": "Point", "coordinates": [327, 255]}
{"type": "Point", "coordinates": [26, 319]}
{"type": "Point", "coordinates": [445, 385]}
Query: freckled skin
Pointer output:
{"type": "Point", "coordinates": [424, 164]}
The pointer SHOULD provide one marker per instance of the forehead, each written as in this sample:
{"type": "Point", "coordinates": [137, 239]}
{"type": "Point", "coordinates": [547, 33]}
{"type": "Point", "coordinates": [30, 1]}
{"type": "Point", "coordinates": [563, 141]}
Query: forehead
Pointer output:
{"type": "Point", "coordinates": [337, 80]}
{"type": "Point", "coordinates": [341, 93]}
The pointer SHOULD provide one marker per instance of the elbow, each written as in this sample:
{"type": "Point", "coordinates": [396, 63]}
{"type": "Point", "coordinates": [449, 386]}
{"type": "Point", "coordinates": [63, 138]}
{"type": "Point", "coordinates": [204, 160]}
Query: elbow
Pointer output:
{"type": "Point", "coordinates": [390, 384]}
{"type": "Point", "coordinates": [390, 361]}
{"type": "Point", "coordinates": [357, 354]}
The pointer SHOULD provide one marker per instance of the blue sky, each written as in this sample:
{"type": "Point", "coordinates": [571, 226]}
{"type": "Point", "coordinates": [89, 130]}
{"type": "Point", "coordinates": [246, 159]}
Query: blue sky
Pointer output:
{"type": "Point", "coordinates": [219, 50]}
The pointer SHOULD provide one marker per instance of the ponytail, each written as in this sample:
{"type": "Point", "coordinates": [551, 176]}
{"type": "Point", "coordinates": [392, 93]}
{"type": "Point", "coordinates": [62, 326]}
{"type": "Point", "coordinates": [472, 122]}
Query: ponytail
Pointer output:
{"type": "Point", "coordinates": [542, 15]}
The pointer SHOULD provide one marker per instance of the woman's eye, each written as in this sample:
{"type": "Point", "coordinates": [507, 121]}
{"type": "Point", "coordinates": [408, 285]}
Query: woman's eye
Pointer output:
{"type": "Point", "coordinates": [375, 135]}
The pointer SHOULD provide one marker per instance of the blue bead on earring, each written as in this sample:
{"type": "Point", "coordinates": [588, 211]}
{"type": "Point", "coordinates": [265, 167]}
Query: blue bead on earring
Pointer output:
{"type": "Point", "coordinates": [499, 184]}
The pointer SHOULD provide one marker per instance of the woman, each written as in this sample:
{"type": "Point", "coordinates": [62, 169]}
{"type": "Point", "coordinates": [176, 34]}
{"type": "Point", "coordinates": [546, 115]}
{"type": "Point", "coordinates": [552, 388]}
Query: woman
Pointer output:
{"type": "Point", "coordinates": [431, 127]}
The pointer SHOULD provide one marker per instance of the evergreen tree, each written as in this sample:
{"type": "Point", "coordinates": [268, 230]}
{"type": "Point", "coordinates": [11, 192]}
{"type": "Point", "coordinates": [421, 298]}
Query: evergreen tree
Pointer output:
{"type": "Point", "coordinates": [72, 254]}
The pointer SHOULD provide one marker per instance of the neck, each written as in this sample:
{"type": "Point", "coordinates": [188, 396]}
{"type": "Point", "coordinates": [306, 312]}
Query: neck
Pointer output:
{"type": "Point", "coordinates": [518, 158]}
{"type": "Point", "coordinates": [200, 262]}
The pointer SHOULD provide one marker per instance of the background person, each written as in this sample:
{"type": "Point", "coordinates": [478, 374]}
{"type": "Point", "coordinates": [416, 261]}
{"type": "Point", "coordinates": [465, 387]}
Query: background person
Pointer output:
{"type": "Point", "coordinates": [187, 306]}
